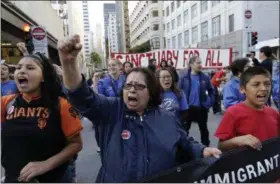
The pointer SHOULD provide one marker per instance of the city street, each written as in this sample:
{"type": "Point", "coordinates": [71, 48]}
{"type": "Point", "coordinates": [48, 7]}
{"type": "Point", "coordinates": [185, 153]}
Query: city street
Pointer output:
{"type": "Point", "coordinates": [88, 162]}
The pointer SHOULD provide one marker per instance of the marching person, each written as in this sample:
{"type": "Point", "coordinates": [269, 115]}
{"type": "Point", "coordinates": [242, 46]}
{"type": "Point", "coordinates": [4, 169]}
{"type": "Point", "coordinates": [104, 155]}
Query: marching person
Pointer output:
{"type": "Point", "coordinates": [137, 138]}
{"type": "Point", "coordinates": [250, 122]}
{"type": "Point", "coordinates": [127, 68]}
{"type": "Point", "coordinates": [163, 64]}
{"type": "Point", "coordinates": [231, 92]}
{"type": "Point", "coordinates": [173, 99]}
{"type": "Point", "coordinates": [40, 130]}
{"type": "Point", "coordinates": [111, 85]}
{"type": "Point", "coordinates": [8, 87]}
{"type": "Point", "coordinates": [200, 97]}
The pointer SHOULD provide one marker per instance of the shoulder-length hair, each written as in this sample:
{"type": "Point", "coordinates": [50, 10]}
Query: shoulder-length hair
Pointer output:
{"type": "Point", "coordinates": [152, 86]}
{"type": "Point", "coordinates": [173, 87]}
{"type": "Point", "coordinates": [51, 88]}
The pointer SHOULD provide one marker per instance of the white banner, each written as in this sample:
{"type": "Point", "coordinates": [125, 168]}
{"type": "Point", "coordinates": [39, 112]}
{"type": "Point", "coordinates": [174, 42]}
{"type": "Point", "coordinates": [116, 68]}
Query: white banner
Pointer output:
{"type": "Point", "coordinates": [211, 58]}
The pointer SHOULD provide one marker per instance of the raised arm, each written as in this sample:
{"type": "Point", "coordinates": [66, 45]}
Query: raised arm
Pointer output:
{"type": "Point", "coordinates": [91, 105]}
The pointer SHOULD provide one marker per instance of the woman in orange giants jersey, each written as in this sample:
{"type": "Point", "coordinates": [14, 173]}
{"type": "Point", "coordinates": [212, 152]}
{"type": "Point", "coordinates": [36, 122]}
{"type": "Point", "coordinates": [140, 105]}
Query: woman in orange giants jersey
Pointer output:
{"type": "Point", "coordinates": [40, 129]}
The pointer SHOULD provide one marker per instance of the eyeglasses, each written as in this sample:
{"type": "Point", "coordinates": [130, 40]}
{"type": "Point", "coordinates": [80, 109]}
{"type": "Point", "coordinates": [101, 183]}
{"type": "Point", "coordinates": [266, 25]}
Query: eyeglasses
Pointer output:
{"type": "Point", "coordinates": [139, 87]}
{"type": "Point", "coordinates": [165, 77]}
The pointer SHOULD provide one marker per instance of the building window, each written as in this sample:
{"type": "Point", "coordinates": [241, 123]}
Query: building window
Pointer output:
{"type": "Point", "coordinates": [156, 27]}
{"type": "Point", "coordinates": [231, 23]}
{"type": "Point", "coordinates": [214, 3]}
{"type": "Point", "coordinates": [179, 20]}
{"type": "Point", "coordinates": [186, 38]}
{"type": "Point", "coordinates": [194, 34]}
{"type": "Point", "coordinates": [173, 42]}
{"type": "Point", "coordinates": [204, 31]}
{"type": "Point", "coordinates": [180, 40]}
{"type": "Point", "coordinates": [203, 6]}
{"type": "Point", "coordinates": [168, 26]}
{"type": "Point", "coordinates": [178, 4]}
{"type": "Point", "coordinates": [167, 11]}
{"type": "Point", "coordinates": [194, 11]}
{"type": "Point", "coordinates": [154, 1]}
{"type": "Point", "coordinates": [172, 7]}
{"type": "Point", "coordinates": [155, 13]}
{"type": "Point", "coordinates": [163, 27]}
{"type": "Point", "coordinates": [163, 13]}
{"type": "Point", "coordinates": [173, 24]}
{"type": "Point", "coordinates": [168, 43]}
{"type": "Point", "coordinates": [216, 26]}
{"type": "Point", "coordinates": [186, 16]}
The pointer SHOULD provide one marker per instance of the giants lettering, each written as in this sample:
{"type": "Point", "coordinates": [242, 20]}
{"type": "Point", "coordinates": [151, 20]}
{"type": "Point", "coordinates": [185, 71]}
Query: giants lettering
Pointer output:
{"type": "Point", "coordinates": [29, 112]}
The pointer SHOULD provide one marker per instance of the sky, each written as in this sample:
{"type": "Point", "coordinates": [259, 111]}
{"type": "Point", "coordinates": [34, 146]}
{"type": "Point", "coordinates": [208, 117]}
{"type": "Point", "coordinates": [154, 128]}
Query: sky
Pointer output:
{"type": "Point", "coordinates": [96, 10]}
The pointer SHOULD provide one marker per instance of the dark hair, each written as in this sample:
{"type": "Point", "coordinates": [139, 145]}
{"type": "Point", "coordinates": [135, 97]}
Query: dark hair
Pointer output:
{"type": "Point", "coordinates": [152, 86]}
{"type": "Point", "coordinates": [9, 69]}
{"type": "Point", "coordinates": [253, 52]}
{"type": "Point", "coordinates": [238, 65]}
{"type": "Point", "coordinates": [163, 61]}
{"type": "Point", "coordinates": [251, 72]}
{"type": "Point", "coordinates": [51, 88]}
{"type": "Point", "coordinates": [173, 87]}
{"type": "Point", "coordinates": [152, 68]}
{"type": "Point", "coordinates": [127, 62]}
{"type": "Point", "coordinates": [267, 51]}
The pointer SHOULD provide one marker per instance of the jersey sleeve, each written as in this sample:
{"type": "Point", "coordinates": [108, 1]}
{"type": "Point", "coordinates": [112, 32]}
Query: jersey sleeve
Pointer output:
{"type": "Point", "coordinates": [226, 129]}
{"type": "Point", "coordinates": [4, 102]}
{"type": "Point", "coordinates": [183, 102]}
{"type": "Point", "coordinates": [70, 119]}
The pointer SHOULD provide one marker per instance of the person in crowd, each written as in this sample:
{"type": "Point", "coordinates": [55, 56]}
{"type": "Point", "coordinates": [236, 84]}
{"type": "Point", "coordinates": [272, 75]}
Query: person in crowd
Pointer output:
{"type": "Point", "coordinates": [170, 65]}
{"type": "Point", "coordinates": [111, 85]}
{"type": "Point", "coordinates": [40, 130]}
{"type": "Point", "coordinates": [266, 58]}
{"type": "Point", "coordinates": [96, 77]}
{"type": "Point", "coordinates": [21, 46]}
{"type": "Point", "coordinates": [163, 64]}
{"type": "Point", "coordinates": [254, 59]}
{"type": "Point", "coordinates": [8, 87]}
{"type": "Point", "coordinates": [251, 122]}
{"type": "Point", "coordinates": [276, 83]}
{"type": "Point", "coordinates": [132, 129]}
{"type": "Point", "coordinates": [90, 81]}
{"type": "Point", "coordinates": [231, 92]}
{"type": "Point", "coordinates": [173, 99]}
{"type": "Point", "coordinates": [127, 67]}
{"type": "Point", "coordinates": [152, 65]}
{"type": "Point", "coordinates": [195, 84]}
{"type": "Point", "coordinates": [216, 81]}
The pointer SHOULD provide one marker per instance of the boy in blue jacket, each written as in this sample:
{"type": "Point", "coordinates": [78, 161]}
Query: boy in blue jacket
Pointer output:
{"type": "Point", "coordinates": [231, 92]}
{"type": "Point", "coordinates": [200, 97]}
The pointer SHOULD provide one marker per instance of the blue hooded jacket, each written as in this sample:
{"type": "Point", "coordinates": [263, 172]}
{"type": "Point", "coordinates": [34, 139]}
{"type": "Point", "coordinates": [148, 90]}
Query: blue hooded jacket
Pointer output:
{"type": "Point", "coordinates": [132, 146]}
{"type": "Point", "coordinates": [206, 100]}
{"type": "Point", "coordinates": [276, 83]}
{"type": "Point", "coordinates": [110, 87]}
{"type": "Point", "coordinates": [231, 93]}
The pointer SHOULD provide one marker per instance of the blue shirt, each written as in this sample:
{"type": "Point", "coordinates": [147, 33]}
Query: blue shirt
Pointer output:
{"type": "Point", "coordinates": [231, 93]}
{"type": "Point", "coordinates": [276, 83]}
{"type": "Point", "coordinates": [171, 103]}
{"type": "Point", "coordinates": [110, 87]}
{"type": "Point", "coordinates": [194, 93]}
{"type": "Point", "coordinates": [8, 88]}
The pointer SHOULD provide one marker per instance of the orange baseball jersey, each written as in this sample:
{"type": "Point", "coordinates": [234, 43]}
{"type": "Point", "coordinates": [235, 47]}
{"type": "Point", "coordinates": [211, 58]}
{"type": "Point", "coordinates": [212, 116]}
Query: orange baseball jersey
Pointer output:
{"type": "Point", "coordinates": [32, 132]}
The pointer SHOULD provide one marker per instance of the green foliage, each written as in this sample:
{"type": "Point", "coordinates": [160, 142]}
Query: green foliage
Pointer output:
{"type": "Point", "coordinates": [145, 47]}
{"type": "Point", "coordinates": [95, 59]}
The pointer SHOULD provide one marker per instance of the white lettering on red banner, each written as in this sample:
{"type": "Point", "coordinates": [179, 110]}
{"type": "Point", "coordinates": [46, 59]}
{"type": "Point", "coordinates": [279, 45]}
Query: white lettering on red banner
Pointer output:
{"type": "Point", "coordinates": [210, 58]}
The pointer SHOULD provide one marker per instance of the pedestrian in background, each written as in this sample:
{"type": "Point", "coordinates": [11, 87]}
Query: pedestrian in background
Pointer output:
{"type": "Point", "coordinates": [200, 97]}
{"type": "Point", "coordinates": [8, 87]}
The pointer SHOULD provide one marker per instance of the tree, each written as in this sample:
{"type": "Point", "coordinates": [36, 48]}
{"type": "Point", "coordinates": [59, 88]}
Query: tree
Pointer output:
{"type": "Point", "coordinates": [95, 59]}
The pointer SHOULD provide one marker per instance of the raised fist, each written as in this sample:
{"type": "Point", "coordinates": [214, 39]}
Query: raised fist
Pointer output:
{"type": "Point", "coordinates": [68, 49]}
{"type": "Point", "coordinates": [21, 46]}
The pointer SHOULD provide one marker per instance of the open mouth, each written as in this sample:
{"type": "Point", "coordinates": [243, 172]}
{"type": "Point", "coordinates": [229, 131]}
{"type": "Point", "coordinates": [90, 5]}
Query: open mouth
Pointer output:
{"type": "Point", "coordinates": [261, 97]}
{"type": "Point", "coordinates": [132, 100]}
{"type": "Point", "coordinates": [22, 82]}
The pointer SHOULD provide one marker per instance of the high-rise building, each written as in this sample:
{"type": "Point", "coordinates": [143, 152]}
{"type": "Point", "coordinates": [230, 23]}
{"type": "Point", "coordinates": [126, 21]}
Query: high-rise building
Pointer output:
{"type": "Point", "coordinates": [87, 35]}
{"type": "Point", "coordinates": [113, 41]}
{"type": "Point", "coordinates": [219, 24]}
{"type": "Point", "coordinates": [62, 11]}
{"type": "Point", "coordinates": [146, 24]}
{"type": "Point", "coordinates": [107, 9]}
{"type": "Point", "coordinates": [123, 25]}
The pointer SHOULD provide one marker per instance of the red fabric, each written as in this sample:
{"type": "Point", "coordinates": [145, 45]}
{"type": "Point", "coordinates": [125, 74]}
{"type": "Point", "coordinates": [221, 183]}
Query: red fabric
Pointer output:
{"type": "Point", "coordinates": [219, 74]}
{"type": "Point", "coordinates": [241, 120]}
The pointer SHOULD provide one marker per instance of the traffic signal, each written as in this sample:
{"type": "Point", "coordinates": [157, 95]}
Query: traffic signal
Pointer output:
{"type": "Point", "coordinates": [28, 39]}
{"type": "Point", "coordinates": [254, 38]}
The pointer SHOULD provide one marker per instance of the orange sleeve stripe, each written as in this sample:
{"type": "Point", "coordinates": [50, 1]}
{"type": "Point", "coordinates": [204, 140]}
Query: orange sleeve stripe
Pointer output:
{"type": "Point", "coordinates": [75, 133]}
{"type": "Point", "coordinates": [70, 121]}
{"type": "Point", "coordinates": [4, 102]}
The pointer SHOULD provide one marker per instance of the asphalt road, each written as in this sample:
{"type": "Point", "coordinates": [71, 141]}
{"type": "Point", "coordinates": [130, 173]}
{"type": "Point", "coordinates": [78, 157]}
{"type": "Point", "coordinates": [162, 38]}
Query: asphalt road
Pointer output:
{"type": "Point", "coordinates": [88, 162]}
